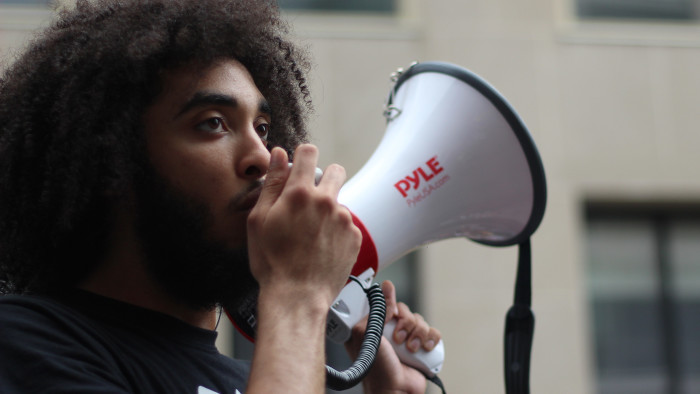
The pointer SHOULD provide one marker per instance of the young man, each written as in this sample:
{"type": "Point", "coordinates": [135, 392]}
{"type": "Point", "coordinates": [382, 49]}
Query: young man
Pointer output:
{"type": "Point", "coordinates": [144, 182]}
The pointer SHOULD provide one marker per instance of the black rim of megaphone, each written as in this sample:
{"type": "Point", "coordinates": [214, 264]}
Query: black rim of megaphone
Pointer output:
{"type": "Point", "coordinates": [527, 144]}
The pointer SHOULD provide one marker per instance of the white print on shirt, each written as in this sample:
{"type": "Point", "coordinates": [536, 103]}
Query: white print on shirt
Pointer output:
{"type": "Point", "coordinates": [204, 390]}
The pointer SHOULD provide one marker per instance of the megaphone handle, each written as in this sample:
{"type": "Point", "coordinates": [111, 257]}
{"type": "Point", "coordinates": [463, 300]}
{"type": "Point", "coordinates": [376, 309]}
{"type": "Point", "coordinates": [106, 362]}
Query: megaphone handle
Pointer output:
{"type": "Point", "coordinates": [427, 362]}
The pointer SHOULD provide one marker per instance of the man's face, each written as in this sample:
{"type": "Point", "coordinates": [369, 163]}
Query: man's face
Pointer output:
{"type": "Point", "coordinates": [205, 136]}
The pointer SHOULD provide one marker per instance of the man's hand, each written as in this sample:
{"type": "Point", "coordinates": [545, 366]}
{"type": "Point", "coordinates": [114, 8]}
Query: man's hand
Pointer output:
{"type": "Point", "coordinates": [388, 374]}
{"type": "Point", "coordinates": [302, 245]}
{"type": "Point", "coordinates": [298, 233]}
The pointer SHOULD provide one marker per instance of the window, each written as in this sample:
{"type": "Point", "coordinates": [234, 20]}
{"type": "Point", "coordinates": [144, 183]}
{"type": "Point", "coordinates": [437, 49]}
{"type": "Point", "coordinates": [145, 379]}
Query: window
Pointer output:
{"type": "Point", "coordinates": [644, 288]}
{"type": "Point", "coordinates": [376, 6]}
{"type": "Point", "coordinates": [639, 9]}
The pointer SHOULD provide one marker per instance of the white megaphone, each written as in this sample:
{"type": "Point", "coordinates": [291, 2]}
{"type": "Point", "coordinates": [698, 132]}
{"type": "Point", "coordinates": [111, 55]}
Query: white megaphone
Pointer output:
{"type": "Point", "coordinates": [455, 161]}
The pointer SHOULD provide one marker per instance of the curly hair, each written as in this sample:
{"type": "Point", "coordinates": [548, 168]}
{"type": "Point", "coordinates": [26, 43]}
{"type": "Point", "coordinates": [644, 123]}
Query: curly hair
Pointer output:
{"type": "Point", "coordinates": [71, 133]}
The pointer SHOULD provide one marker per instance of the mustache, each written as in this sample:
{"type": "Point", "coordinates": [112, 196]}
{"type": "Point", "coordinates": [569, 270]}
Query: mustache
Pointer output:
{"type": "Point", "coordinates": [246, 199]}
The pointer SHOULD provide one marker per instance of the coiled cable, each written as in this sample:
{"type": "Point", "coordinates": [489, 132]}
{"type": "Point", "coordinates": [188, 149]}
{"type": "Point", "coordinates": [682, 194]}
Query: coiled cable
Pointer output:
{"type": "Point", "coordinates": [344, 380]}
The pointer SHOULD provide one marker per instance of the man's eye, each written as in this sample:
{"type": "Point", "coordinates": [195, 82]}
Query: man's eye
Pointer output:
{"type": "Point", "coordinates": [212, 125]}
{"type": "Point", "coordinates": [263, 130]}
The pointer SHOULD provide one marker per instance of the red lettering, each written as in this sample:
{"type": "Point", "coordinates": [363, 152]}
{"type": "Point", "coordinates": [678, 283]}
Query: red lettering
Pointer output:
{"type": "Point", "coordinates": [398, 185]}
{"type": "Point", "coordinates": [415, 179]}
{"type": "Point", "coordinates": [434, 165]}
{"type": "Point", "coordinates": [426, 177]}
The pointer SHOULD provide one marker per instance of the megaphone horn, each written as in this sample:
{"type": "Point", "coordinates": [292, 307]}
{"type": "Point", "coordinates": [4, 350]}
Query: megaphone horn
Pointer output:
{"type": "Point", "coordinates": [455, 161]}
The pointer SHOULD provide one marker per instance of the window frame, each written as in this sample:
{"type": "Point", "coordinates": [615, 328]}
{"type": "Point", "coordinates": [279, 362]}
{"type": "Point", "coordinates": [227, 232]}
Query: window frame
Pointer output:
{"type": "Point", "coordinates": [394, 6]}
{"type": "Point", "coordinates": [660, 216]}
{"type": "Point", "coordinates": [640, 10]}
{"type": "Point", "coordinates": [570, 29]}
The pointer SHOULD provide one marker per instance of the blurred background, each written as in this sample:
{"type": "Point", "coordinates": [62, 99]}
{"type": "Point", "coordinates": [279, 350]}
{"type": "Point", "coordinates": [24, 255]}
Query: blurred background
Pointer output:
{"type": "Point", "coordinates": [610, 90]}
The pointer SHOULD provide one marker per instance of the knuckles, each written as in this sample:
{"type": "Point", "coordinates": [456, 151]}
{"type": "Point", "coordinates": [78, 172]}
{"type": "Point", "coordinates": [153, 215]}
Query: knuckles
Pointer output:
{"type": "Point", "coordinates": [344, 216]}
{"type": "Point", "coordinates": [326, 203]}
{"type": "Point", "coordinates": [298, 195]}
{"type": "Point", "coordinates": [309, 197]}
{"type": "Point", "coordinates": [356, 234]}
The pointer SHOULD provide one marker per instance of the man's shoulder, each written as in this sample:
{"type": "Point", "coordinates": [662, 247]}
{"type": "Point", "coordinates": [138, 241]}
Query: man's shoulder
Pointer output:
{"type": "Point", "coordinates": [28, 309]}
{"type": "Point", "coordinates": [22, 301]}
{"type": "Point", "coordinates": [52, 341]}
{"type": "Point", "coordinates": [62, 342]}
{"type": "Point", "coordinates": [40, 322]}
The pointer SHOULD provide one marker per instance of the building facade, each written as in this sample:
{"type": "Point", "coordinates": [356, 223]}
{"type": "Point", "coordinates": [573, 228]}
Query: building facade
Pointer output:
{"type": "Point", "coordinates": [612, 101]}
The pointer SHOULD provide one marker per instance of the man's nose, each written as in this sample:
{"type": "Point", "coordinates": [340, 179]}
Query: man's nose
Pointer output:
{"type": "Point", "coordinates": [255, 158]}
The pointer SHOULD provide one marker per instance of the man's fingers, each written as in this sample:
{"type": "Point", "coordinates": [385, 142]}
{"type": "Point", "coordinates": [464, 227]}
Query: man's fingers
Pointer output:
{"type": "Point", "coordinates": [432, 339]}
{"type": "Point", "coordinates": [405, 323]}
{"type": "Point", "coordinates": [333, 179]}
{"type": "Point", "coordinates": [412, 329]}
{"type": "Point", "coordinates": [419, 334]}
{"type": "Point", "coordinates": [304, 168]}
{"type": "Point", "coordinates": [275, 179]}
{"type": "Point", "coordinates": [392, 309]}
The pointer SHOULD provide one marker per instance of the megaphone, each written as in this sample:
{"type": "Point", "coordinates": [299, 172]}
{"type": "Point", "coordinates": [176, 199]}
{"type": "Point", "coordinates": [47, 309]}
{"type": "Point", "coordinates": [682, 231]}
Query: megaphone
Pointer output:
{"type": "Point", "coordinates": [455, 161]}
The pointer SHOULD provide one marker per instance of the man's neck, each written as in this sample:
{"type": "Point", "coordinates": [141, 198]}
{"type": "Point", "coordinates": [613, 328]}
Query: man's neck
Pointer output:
{"type": "Point", "coordinates": [122, 276]}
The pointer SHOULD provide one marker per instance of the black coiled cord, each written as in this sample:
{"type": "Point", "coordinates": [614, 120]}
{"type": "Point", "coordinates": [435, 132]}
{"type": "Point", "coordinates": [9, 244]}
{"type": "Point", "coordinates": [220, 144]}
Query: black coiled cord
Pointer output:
{"type": "Point", "coordinates": [370, 344]}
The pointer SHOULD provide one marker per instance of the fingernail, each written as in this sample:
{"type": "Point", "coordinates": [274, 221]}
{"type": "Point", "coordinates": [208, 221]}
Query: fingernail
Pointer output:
{"type": "Point", "coordinates": [414, 344]}
{"type": "Point", "coordinates": [430, 344]}
{"type": "Point", "coordinates": [401, 336]}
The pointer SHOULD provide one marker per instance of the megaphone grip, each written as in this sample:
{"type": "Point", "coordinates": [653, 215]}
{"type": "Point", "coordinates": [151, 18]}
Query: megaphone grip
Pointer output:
{"type": "Point", "coordinates": [520, 327]}
{"type": "Point", "coordinates": [427, 362]}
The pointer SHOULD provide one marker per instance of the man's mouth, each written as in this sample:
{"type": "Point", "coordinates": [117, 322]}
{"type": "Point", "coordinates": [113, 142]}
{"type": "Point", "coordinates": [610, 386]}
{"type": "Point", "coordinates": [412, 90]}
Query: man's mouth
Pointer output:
{"type": "Point", "coordinates": [245, 201]}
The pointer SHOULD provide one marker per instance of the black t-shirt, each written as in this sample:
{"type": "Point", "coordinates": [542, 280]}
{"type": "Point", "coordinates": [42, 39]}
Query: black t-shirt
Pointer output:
{"type": "Point", "coordinates": [79, 342]}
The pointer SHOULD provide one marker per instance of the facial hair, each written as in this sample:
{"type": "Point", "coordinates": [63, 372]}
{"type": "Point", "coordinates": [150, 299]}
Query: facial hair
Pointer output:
{"type": "Point", "coordinates": [179, 256]}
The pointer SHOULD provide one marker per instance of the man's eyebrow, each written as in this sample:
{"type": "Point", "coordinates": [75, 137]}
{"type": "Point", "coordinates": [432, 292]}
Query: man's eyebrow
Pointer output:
{"type": "Point", "coordinates": [201, 99]}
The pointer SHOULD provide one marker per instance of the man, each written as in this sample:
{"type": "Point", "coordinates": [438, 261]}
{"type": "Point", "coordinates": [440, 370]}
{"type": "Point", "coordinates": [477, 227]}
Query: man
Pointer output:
{"type": "Point", "coordinates": [144, 182]}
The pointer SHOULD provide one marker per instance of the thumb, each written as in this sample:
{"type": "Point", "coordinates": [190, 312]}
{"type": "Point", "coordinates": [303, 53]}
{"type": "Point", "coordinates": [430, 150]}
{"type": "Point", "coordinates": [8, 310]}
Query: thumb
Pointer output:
{"type": "Point", "coordinates": [392, 309]}
{"type": "Point", "coordinates": [275, 179]}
